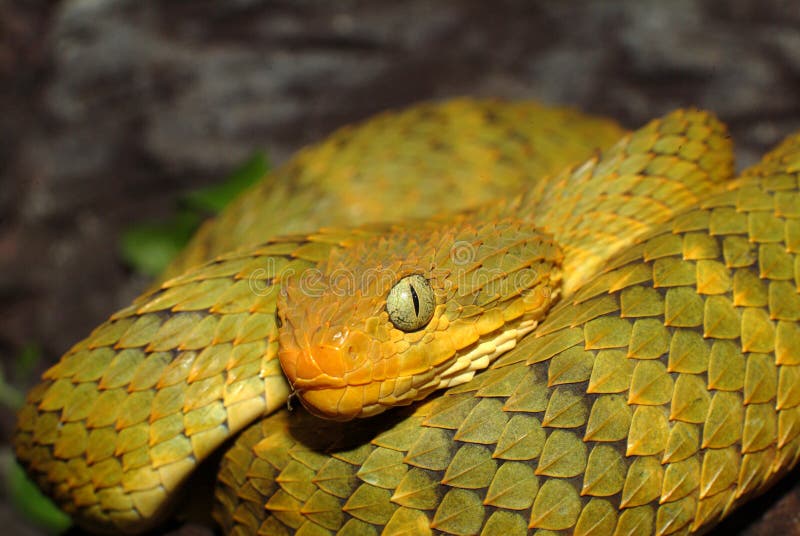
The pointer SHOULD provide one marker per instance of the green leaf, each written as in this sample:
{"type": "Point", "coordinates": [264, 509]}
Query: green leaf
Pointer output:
{"type": "Point", "coordinates": [29, 501]}
{"type": "Point", "coordinates": [24, 365]}
{"type": "Point", "coordinates": [214, 198]}
{"type": "Point", "coordinates": [29, 356]}
{"type": "Point", "coordinates": [10, 396]}
{"type": "Point", "coordinates": [149, 247]}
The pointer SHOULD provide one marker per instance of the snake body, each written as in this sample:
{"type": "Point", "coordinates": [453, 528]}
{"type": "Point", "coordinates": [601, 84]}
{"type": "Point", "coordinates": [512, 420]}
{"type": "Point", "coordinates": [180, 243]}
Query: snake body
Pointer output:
{"type": "Point", "coordinates": [656, 396]}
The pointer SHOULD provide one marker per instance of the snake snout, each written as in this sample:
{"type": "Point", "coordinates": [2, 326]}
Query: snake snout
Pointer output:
{"type": "Point", "coordinates": [335, 381]}
{"type": "Point", "coordinates": [321, 376]}
{"type": "Point", "coordinates": [314, 367]}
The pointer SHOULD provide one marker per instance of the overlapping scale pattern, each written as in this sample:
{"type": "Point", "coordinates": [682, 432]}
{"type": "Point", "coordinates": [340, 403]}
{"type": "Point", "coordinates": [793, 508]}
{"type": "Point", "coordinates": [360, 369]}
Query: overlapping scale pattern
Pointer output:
{"type": "Point", "coordinates": [129, 411]}
{"type": "Point", "coordinates": [649, 176]}
{"type": "Point", "coordinates": [127, 414]}
{"type": "Point", "coordinates": [655, 400]}
{"type": "Point", "coordinates": [414, 163]}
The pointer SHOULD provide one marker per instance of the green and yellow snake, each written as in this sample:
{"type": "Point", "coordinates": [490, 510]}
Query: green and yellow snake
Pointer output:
{"type": "Point", "coordinates": [638, 312]}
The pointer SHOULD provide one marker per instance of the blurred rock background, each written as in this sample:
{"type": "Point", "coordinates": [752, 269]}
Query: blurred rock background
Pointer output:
{"type": "Point", "coordinates": [110, 109]}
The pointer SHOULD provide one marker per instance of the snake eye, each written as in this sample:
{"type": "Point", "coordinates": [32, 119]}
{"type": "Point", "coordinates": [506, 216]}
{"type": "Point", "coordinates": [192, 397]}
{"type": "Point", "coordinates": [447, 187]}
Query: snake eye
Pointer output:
{"type": "Point", "coordinates": [410, 303]}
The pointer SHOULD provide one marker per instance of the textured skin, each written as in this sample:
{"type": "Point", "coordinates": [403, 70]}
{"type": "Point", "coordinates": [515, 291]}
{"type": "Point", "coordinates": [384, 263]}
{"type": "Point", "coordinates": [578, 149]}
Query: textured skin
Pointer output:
{"type": "Point", "coordinates": [660, 396]}
{"type": "Point", "coordinates": [117, 425]}
{"type": "Point", "coordinates": [463, 151]}
{"type": "Point", "coordinates": [128, 412]}
{"type": "Point", "coordinates": [344, 358]}
{"type": "Point", "coordinates": [494, 279]}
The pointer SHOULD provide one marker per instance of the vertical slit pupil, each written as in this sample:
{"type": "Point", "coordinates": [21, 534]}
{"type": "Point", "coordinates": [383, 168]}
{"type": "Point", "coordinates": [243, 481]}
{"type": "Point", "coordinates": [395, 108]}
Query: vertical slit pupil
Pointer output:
{"type": "Point", "coordinates": [415, 299]}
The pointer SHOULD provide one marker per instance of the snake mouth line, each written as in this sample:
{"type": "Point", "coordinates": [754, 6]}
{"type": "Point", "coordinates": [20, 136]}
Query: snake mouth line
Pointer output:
{"type": "Point", "coordinates": [349, 396]}
{"type": "Point", "coordinates": [464, 367]}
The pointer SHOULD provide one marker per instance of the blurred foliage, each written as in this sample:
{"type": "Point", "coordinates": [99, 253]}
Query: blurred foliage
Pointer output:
{"type": "Point", "coordinates": [149, 247]}
{"type": "Point", "coordinates": [26, 498]}
{"type": "Point", "coordinates": [25, 364]}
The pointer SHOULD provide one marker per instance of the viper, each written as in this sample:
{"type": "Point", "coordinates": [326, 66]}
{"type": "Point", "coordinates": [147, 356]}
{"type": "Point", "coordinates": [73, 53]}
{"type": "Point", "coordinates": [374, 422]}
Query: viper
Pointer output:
{"type": "Point", "coordinates": [636, 309]}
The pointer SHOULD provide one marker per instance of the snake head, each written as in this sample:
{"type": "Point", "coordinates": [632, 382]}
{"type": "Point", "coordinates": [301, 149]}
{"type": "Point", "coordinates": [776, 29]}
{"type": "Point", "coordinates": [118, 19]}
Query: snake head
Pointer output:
{"type": "Point", "coordinates": [391, 318]}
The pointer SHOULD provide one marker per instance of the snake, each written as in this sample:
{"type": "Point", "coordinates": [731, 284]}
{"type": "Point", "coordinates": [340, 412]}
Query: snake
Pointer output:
{"type": "Point", "coordinates": [637, 313]}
